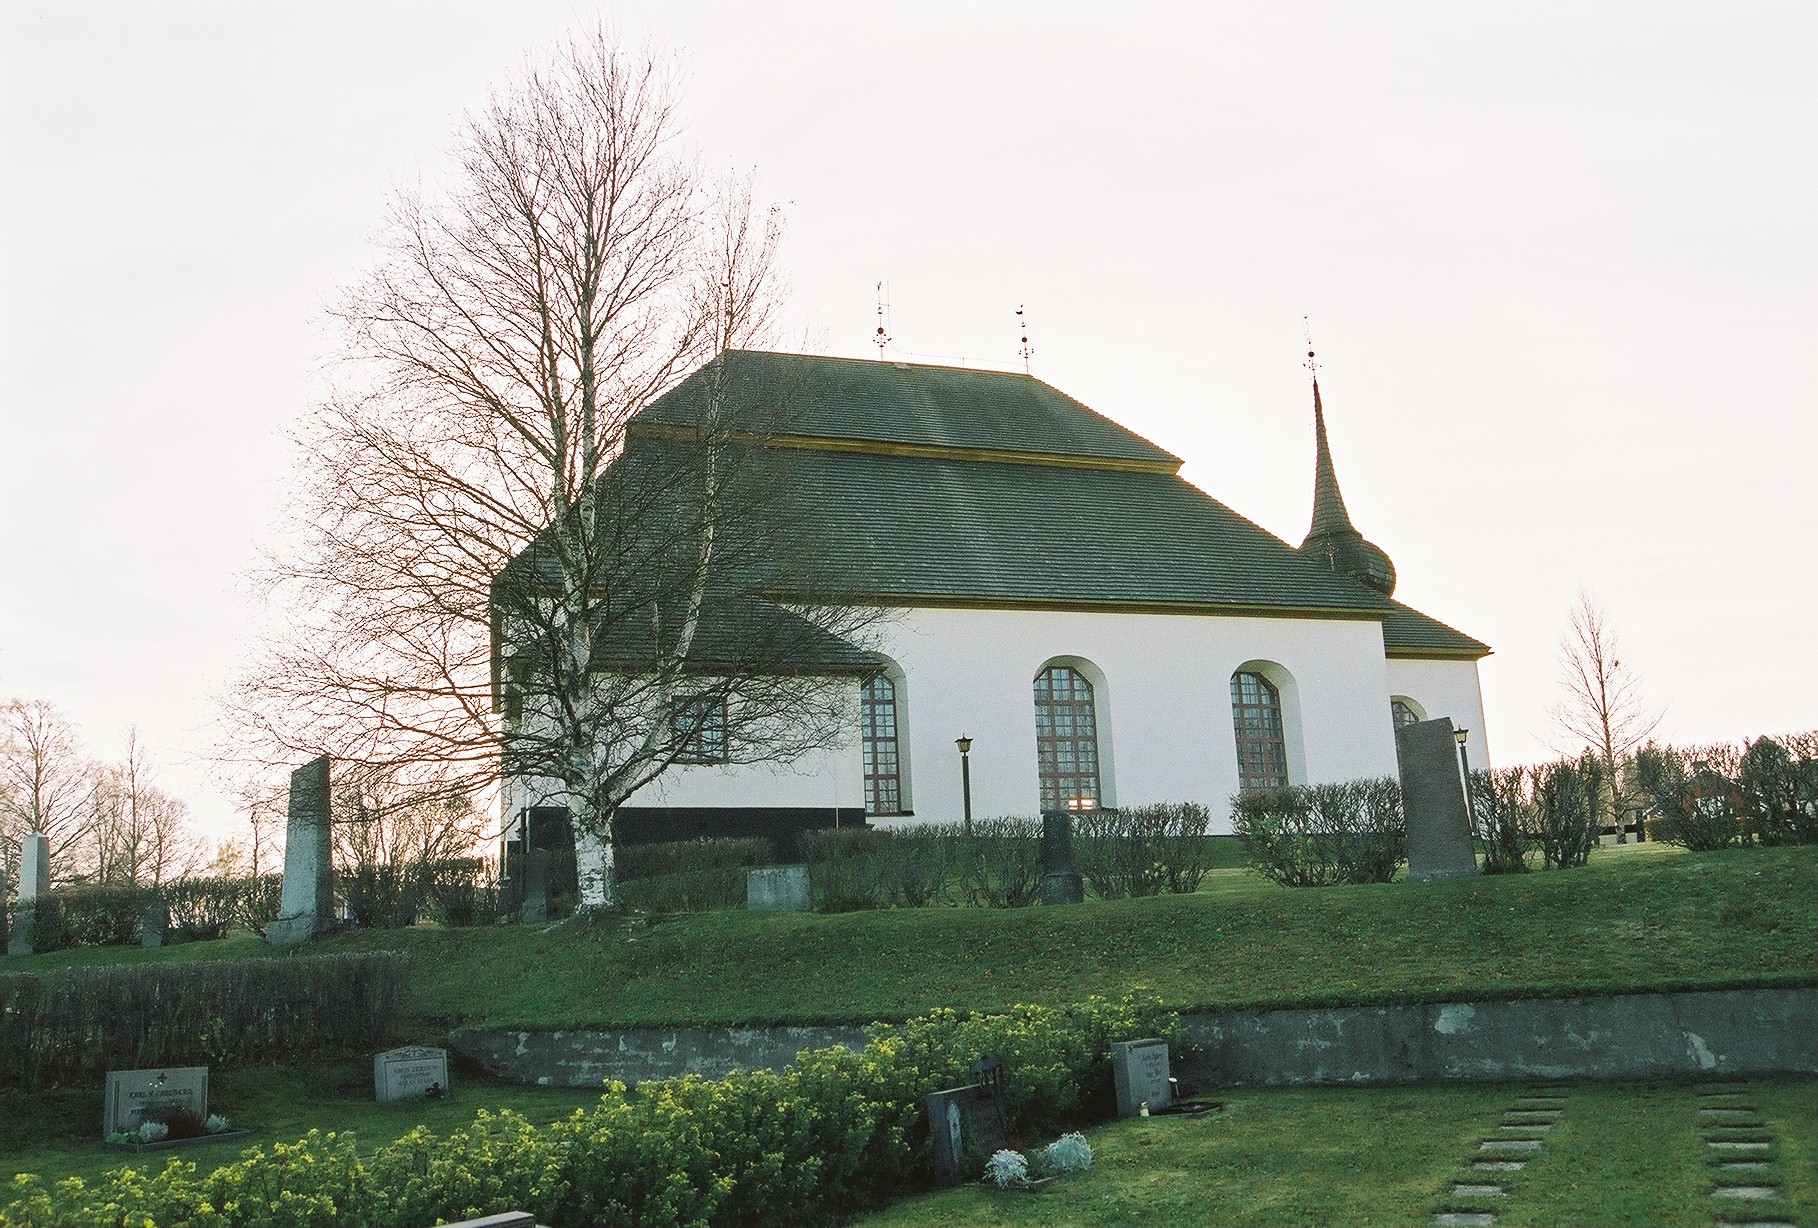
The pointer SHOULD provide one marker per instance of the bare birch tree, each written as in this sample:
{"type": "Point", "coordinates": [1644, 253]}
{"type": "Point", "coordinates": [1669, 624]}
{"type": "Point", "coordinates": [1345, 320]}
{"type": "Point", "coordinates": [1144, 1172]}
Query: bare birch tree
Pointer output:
{"type": "Point", "coordinates": [475, 535]}
{"type": "Point", "coordinates": [1601, 703]}
{"type": "Point", "coordinates": [47, 782]}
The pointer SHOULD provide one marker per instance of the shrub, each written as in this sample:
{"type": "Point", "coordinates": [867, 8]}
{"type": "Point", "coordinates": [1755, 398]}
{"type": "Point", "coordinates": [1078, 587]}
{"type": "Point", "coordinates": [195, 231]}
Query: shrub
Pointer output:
{"type": "Point", "coordinates": [396, 894]}
{"type": "Point", "coordinates": [1567, 802]}
{"type": "Point", "coordinates": [1320, 835]}
{"type": "Point", "coordinates": [90, 915]}
{"type": "Point", "coordinates": [694, 891]}
{"type": "Point", "coordinates": [844, 868]}
{"type": "Point", "coordinates": [1070, 1153]}
{"type": "Point", "coordinates": [1503, 813]}
{"type": "Point", "coordinates": [635, 861]}
{"type": "Point", "coordinates": [1696, 802]}
{"type": "Point", "coordinates": [1779, 780]}
{"type": "Point", "coordinates": [1000, 863]}
{"type": "Point", "coordinates": [75, 1025]}
{"type": "Point", "coordinates": [1144, 850]}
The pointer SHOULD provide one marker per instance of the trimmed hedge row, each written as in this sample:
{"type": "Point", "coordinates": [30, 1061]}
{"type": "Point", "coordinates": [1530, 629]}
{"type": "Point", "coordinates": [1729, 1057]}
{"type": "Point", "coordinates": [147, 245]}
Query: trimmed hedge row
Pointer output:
{"type": "Point", "coordinates": [835, 1134]}
{"type": "Point", "coordinates": [1713, 797]}
{"type": "Point", "coordinates": [100, 915]}
{"type": "Point", "coordinates": [1320, 835]}
{"type": "Point", "coordinates": [73, 1026]}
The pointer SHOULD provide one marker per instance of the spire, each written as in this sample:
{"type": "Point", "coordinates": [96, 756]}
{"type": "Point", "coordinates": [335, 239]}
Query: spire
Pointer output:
{"type": "Point", "coordinates": [1332, 536]}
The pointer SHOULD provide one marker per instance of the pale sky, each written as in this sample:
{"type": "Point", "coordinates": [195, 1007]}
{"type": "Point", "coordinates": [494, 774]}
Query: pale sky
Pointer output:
{"type": "Point", "coordinates": [1559, 260]}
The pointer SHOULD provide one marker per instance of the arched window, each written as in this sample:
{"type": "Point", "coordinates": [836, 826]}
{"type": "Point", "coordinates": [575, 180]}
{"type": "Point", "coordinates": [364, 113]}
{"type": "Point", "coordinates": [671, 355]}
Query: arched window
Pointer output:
{"type": "Point", "coordinates": [1066, 739]}
{"type": "Point", "coordinates": [1262, 748]}
{"type": "Point", "coordinates": [883, 760]}
{"type": "Point", "coordinates": [1401, 712]}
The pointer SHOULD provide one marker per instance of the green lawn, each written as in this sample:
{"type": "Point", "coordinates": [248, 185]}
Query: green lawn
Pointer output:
{"type": "Point", "coordinates": [56, 1133]}
{"type": "Point", "coordinates": [1633, 919]}
{"type": "Point", "coordinates": [1622, 1154]}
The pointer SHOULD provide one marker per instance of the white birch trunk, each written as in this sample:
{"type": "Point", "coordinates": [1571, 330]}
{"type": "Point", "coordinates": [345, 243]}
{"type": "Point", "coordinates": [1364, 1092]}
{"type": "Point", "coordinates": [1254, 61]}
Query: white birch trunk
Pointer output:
{"type": "Point", "coordinates": [593, 862]}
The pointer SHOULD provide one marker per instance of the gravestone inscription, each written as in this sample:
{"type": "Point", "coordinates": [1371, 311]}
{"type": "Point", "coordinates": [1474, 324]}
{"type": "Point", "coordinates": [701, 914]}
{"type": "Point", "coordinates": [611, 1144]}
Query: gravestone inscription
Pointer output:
{"type": "Point", "coordinates": [778, 889]}
{"type": "Point", "coordinates": [415, 1070]}
{"type": "Point", "coordinates": [1142, 1074]}
{"type": "Point", "coordinates": [967, 1126]}
{"type": "Point", "coordinates": [1433, 802]}
{"type": "Point", "coordinates": [134, 1096]}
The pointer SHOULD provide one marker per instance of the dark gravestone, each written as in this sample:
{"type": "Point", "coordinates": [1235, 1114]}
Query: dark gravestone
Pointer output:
{"type": "Point", "coordinates": [967, 1127]}
{"type": "Point", "coordinates": [154, 920]}
{"type": "Point", "coordinates": [1060, 881]}
{"type": "Point", "coordinates": [536, 886]}
{"type": "Point", "coordinates": [306, 907]}
{"type": "Point", "coordinates": [1433, 802]}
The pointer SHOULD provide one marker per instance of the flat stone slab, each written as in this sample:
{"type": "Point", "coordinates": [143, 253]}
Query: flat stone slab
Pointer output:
{"type": "Point", "coordinates": [1720, 1089]}
{"type": "Point", "coordinates": [1478, 1191]}
{"type": "Point", "coordinates": [1745, 1166]}
{"type": "Point", "coordinates": [1550, 1089]}
{"type": "Point", "coordinates": [1510, 1144]}
{"type": "Point", "coordinates": [1499, 1166]}
{"type": "Point", "coordinates": [1733, 1145]}
{"type": "Point", "coordinates": [1539, 1127]}
{"type": "Point", "coordinates": [1729, 1113]}
{"type": "Point", "coordinates": [1464, 1219]}
{"type": "Point", "coordinates": [1543, 1115]}
{"type": "Point", "coordinates": [1746, 1191]}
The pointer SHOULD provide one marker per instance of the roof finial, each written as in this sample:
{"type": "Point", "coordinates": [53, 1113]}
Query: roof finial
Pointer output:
{"type": "Point", "coordinates": [882, 338]}
{"type": "Point", "coordinates": [1306, 329]}
{"type": "Point", "coordinates": [1332, 536]}
{"type": "Point", "coordinates": [1022, 326]}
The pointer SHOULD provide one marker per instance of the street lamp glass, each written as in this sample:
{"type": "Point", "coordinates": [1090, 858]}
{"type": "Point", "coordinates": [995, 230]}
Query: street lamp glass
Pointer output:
{"type": "Point", "coordinates": [1459, 735]}
{"type": "Point", "coordinates": [964, 744]}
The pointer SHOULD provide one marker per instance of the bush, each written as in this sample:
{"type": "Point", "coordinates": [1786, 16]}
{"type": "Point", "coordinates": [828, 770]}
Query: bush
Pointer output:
{"type": "Point", "coordinates": [1144, 850]}
{"type": "Point", "coordinates": [89, 915]}
{"type": "Point", "coordinates": [1779, 780]}
{"type": "Point", "coordinates": [397, 894]}
{"type": "Point", "coordinates": [635, 861]}
{"type": "Point", "coordinates": [837, 1133]}
{"type": "Point", "coordinates": [694, 891]}
{"type": "Point", "coordinates": [1503, 813]}
{"type": "Point", "coordinates": [1321, 835]}
{"type": "Point", "coordinates": [1697, 803]}
{"type": "Point", "coordinates": [1000, 863]}
{"type": "Point", "coordinates": [844, 868]}
{"type": "Point", "coordinates": [73, 1026]}
{"type": "Point", "coordinates": [1567, 802]}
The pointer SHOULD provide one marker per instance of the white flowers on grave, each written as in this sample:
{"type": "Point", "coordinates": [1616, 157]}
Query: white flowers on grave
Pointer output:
{"type": "Point", "coordinates": [1007, 1168]}
{"type": "Point", "coordinates": [216, 1124]}
{"type": "Point", "coordinates": [1070, 1153]}
{"type": "Point", "coordinates": [153, 1132]}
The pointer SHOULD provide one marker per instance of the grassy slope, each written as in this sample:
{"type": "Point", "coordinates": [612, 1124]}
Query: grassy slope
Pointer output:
{"type": "Point", "coordinates": [1623, 1154]}
{"type": "Point", "coordinates": [1647, 918]}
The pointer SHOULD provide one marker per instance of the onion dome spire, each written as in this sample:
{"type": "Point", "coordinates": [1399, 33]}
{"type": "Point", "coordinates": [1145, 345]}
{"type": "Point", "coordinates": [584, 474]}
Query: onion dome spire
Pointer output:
{"type": "Point", "coordinates": [1332, 536]}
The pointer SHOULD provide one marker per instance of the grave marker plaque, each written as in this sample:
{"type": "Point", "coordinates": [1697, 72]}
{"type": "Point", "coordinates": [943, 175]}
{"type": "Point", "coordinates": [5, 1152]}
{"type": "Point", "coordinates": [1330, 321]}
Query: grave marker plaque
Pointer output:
{"type": "Point", "coordinates": [133, 1095]}
{"type": "Point", "coordinates": [1142, 1073]}
{"type": "Point", "coordinates": [778, 889]}
{"type": "Point", "coordinates": [967, 1127]}
{"type": "Point", "coordinates": [414, 1070]}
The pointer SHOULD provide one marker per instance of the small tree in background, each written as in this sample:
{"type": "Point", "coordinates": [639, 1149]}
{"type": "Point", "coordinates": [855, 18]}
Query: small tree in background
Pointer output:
{"type": "Point", "coordinates": [1601, 703]}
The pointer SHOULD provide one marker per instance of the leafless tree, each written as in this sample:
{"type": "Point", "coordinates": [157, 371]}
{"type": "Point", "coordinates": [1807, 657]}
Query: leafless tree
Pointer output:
{"type": "Point", "coordinates": [1601, 702]}
{"type": "Point", "coordinates": [475, 534]}
{"type": "Point", "coordinates": [383, 819]}
{"type": "Point", "coordinates": [139, 833]}
{"type": "Point", "coordinates": [47, 783]}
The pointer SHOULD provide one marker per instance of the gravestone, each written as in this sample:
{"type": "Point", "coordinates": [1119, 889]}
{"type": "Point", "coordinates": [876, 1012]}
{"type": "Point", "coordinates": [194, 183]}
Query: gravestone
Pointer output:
{"type": "Point", "coordinates": [778, 889]}
{"type": "Point", "coordinates": [1433, 802]}
{"type": "Point", "coordinates": [536, 887]}
{"type": "Point", "coordinates": [415, 1070]}
{"type": "Point", "coordinates": [1061, 883]}
{"type": "Point", "coordinates": [967, 1127]}
{"type": "Point", "coordinates": [306, 907]}
{"type": "Point", "coordinates": [133, 1094]}
{"type": "Point", "coordinates": [154, 920]}
{"type": "Point", "coordinates": [1141, 1071]}
{"type": "Point", "coordinates": [34, 882]}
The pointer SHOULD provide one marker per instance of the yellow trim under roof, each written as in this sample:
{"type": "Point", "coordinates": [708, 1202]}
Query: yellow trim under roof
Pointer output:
{"type": "Point", "coordinates": [920, 451]}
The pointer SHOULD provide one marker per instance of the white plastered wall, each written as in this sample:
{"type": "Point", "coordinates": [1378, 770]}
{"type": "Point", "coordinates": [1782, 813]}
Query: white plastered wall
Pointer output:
{"type": "Point", "coordinates": [1445, 688]}
{"type": "Point", "coordinates": [1164, 703]}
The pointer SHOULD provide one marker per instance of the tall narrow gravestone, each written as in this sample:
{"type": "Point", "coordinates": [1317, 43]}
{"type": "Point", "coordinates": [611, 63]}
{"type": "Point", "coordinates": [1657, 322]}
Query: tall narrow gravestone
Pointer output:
{"type": "Point", "coordinates": [966, 1126]}
{"type": "Point", "coordinates": [306, 907]}
{"type": "Point", "coordinates": [1061, 883]}
{"type": "Point", "coordinates": [1433, 802]}
{"type": "Point", "coordinates": [34, 881]}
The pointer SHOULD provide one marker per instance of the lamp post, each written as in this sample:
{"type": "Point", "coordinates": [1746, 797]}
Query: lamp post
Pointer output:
{"type": "Point", "coordinates": [1464, 765]}
{"type": "Point", "coordinates": [965, 749]}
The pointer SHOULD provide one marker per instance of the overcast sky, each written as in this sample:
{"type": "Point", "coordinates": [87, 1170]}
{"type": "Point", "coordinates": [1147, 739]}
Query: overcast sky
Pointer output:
{"type": "Point", "coordinates": [1558, 260]}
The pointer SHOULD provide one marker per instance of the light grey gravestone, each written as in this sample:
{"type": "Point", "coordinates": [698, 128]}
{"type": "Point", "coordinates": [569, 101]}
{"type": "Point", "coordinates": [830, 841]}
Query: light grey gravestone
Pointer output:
{"type": "Point", "coordinates": [154, 920]}
{"type": "Point", "coordinates": [1433, 802]}
{"type": "Point", "coordinates": [967, 1127]}
{"type": "Point", "coordinates": [778, 889]}
{"type": "Point", "coordinates": [1142, 1073]}
{"type": "Point", "coordinates": [34, 883]}
{"type": "Point", "coordinates": [306, 907]}
{"type": "Point", "coordinates": [415, 1070]}
{"type": "Point", "coordinates": [133, 1094]}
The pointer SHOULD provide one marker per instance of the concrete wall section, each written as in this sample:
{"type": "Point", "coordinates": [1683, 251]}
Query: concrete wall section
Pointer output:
{"type": "Point", "coordinates": [1445, 688]}
{"type": "Point", "coordinates": [1620, 1037]}
{"type": "Point", "coordinates": [589, 1058]}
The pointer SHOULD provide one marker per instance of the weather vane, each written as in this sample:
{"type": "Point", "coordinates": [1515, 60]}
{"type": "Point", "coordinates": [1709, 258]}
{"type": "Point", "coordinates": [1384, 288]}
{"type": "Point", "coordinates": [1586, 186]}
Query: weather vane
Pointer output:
{"type": "Point", "coordinates": [883, 338]}
{"type": "Point", "coordinates": [1022, 326]}
{"type": "Point", "coordinates": [1306, 329]}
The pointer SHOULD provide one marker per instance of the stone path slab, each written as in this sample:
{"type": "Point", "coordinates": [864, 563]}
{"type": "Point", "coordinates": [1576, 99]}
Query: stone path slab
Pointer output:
{"type": "Point", "coordinates": [1499, 1166]}
{"type": "Point", "coordinates": [1478, 1191]}
{"type": "Point", "coordinates": [1746, 1191]}
{"type": "Point", "coordinates": [1731, 1145]}
{"type": "Point", "coordinates": [1536, 1127]}
{"type": "Point", "coordinates": [1514, 1144]}
{"type": "Point", "coordinates": [1548, 1115]}
{"type": "Point", "coordinates": [1744, 1166]}
{"type": "Point", "coordinates": [1463, 1219]}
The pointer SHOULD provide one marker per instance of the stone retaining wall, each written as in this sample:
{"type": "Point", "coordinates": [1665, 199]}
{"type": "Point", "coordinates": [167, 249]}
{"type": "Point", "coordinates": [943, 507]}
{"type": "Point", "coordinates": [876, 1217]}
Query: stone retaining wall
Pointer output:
{"type": "Point", "coordinates": [1744, 1031]}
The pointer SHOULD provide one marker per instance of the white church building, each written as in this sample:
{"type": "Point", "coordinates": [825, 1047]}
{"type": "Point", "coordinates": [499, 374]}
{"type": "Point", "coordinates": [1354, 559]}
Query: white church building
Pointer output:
{"type": "Point", "coordinates": [1103, 632]}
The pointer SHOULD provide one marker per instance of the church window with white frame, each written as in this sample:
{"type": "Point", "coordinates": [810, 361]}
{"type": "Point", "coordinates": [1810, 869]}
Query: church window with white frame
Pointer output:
{"type": "Point", "coordinates": [1066, 739]}
{"type": "Point", "coordinates": [1262, 746]}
